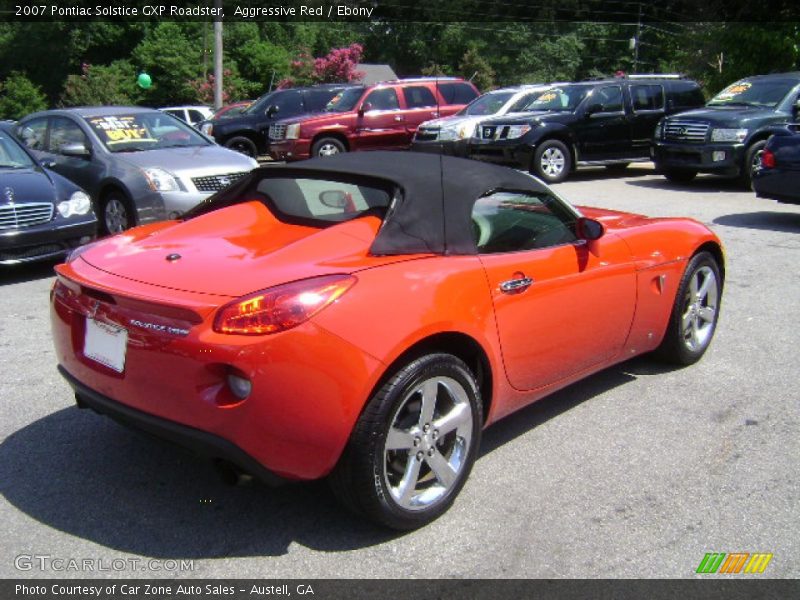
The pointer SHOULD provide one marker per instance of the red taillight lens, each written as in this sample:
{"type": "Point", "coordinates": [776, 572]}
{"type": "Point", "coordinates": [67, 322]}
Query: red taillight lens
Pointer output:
{"type": "Point", "coordinates": [282, 307]}
{"type": "Point", "coordinates": [767, 160]}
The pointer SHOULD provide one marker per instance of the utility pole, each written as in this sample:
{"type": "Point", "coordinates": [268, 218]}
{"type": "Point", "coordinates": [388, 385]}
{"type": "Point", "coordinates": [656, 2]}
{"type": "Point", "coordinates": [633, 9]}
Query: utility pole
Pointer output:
{"type": "Point", "coordinates": [218, 56]}
{"type": "Point", "coordinates": [636, 41]}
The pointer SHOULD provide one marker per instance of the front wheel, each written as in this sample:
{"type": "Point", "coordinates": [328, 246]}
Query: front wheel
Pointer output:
{"type": "Point", "coordinates": [117, 213]}
{"type": "Point", "coordinates": [752, 162]}
{"type": "Point", "coordinates": [552, 161]}
{"type": "Point", "coordinates": [694, 313]}
{"type": "Point", "coordinates": [243, 145]}
{"type": "Point", "coordinates": [327, 147]}
{"type": "Point", "coordinates": [414, 446]}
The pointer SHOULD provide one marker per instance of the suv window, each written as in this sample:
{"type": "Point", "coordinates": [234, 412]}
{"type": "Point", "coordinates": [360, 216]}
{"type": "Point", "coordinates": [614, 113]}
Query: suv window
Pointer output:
{"type": "Point", "coordinates": [63, 132]}
{"type": "Point", "coordinates": [647, 97]}
{"type": "Point", "coordinates": [457, 93]}
{"type": "Point", "coordinates": [33, 133]}
{"type": "Point", "coordinates": [383, 99]}
{"type": "Point", "coordinates": [687, 98]}
{"type": "Point", "coordinates": [317, 99]}
{"type": "Point", "coordinates": [609, 98]}
{"type": "Point", "coordinates": [289, 103]}
{"type": "Point", "coordinates": [418, 96]}
{"type": "Point", "coordinates": [511, 221]}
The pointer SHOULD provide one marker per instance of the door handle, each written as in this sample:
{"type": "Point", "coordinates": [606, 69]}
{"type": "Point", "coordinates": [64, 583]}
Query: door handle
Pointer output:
{"type": "Point", "coordinates": [398, 118]}
{"type": "Point", "coordinates": [516, 285]}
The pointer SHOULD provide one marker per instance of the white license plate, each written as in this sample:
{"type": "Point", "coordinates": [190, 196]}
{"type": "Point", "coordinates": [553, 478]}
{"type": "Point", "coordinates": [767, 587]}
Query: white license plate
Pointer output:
{"type": "Point", "coordinates": [106, 344]}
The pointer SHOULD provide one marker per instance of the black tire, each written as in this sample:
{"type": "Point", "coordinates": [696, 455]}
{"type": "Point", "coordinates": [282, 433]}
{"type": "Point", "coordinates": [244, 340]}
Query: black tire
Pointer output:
{"type": "Point", "coordinates": [243, 145]}
{"type": "Point", "coordinates": [327, 146]}
{"type": "Point", "coordinates": [680, 345]}
{"type": "Point", "coordinates": [116, 213]}
{"type": "Point", "coordinates": [680, 175]}
{"type": "Point", "coordinates": [617, 167]}
{"type": "Point", "coordinates": [369, 476]}
{"type": "Point", "coordinates": [752, 160]}
{"type": "Point", "coordinates": [552, 161]}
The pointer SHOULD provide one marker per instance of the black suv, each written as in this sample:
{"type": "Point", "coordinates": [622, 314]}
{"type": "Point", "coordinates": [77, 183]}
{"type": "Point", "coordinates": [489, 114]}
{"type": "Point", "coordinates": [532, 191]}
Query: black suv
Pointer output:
{"type": "Point", "coordinates": [247, 132]}
{"type": "Point", "coordinates": [601, 122]}
{"type": "Point", "coordinates": [729, 134]}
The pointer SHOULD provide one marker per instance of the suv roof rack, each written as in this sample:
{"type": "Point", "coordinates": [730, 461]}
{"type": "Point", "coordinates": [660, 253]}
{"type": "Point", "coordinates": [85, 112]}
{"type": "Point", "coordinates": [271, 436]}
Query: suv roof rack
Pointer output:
{"type": "Point", "coordinates": [420, 79]}
{"type": "Point", "coordinates": [654, 76]}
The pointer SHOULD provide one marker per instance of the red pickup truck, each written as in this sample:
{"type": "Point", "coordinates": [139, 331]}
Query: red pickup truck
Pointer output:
{"type": "Point", "coordinates": [378, 117]}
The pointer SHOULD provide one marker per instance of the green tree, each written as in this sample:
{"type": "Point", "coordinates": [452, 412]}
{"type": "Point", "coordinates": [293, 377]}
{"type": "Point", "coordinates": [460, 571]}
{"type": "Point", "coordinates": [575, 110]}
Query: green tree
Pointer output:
{"type": "Point", "coordinates": [101, 85]}
{"type": "Point", "coordinates": [477, 69]}
{"type": "Point", "coordinates": [19, 97]}
{"type": "Point", "coordinates": [173, 60]}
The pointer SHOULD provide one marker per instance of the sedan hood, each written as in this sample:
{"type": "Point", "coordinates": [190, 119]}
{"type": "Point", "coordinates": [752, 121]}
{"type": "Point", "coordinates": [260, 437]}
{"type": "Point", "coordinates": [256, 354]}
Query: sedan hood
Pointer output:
{"type": "Point", "coordinates": [234, 251]}
{"type": "Point", "coordinates": [25, 185]}
{"type": "Point", "coordinates": [192, 158]}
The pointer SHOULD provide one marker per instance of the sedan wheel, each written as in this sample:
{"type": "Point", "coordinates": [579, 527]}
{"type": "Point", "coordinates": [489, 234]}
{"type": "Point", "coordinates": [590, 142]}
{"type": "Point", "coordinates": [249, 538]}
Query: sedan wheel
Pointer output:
{"type": "Point", "coordinates": [694, 313]}
{"type": "Point", "coordinates": [414, 446]}
{"type": "Point", "coordinates": [116, 215]}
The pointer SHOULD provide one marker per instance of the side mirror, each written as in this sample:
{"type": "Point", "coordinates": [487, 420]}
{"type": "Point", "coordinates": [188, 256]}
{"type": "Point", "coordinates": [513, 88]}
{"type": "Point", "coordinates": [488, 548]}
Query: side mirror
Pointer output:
{"type": "Point", "coordinates": [796, 109]}
{"type": "Point", "coordinates": [272, 110]}
{"type": "Point", "coordinates": [593, 108]}
{"type": "Point", "coordinates": [333, 198]}
{"type": "Point", "coordinates": [77, 149]}
{"type": "Point", "coordinates": [589, 229]}
{"type": "Point", "coordinates": [365, 108]}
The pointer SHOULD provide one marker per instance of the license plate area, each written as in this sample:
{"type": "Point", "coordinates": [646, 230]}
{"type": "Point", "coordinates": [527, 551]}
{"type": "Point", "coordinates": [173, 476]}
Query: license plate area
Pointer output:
{"type": "Point", "coordinates": [105, 344]}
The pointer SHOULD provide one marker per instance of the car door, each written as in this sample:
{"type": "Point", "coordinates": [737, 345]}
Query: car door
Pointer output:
{"type": "Point", "coordinates": [603, 131]}
{"type": "Point", "coordinates": [647, 103]}
{"type": "Point", "coordinates": [421, 106]}
{"type": "Point", "coordinates": [562, 305]}
{"type": "Point", "coordinates": [85, 171]}
{"type": "Point", "coordinates": [381, 123]}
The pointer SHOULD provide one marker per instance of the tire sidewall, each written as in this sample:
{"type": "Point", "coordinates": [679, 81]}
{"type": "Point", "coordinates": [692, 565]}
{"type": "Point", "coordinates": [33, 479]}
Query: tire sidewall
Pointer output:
{"type": "Point", "coordinates": [747, 167]}
{"type": "Point", "coordinates": [129, 211]}
{"type": "Point", "coordinates": [536, 167]}
{"type": "Point", "coordinates": [239, 139]}
{"type": "Point", "coordinates": [412, 375]}
{"type": "Point", "coordinates": [323, 141]}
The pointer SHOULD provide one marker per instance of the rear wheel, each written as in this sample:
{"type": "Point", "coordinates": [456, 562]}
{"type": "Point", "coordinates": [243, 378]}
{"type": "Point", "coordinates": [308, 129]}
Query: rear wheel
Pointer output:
{"type": "Point", "coordinates": [694, 313]}
{"type": "Point", "coordinates": [552, 161]}
{"type": "Point", "coordinates": [327, 147]}
{"type": "Point", "coordinates": [680, 175]}
{"type": "Point", "coordinates": [117, 214]}
{"type": "Point", "coordinates": [414, 446]}
{"type": "Point", "coordinates": [243, 145]}
{"type": "Point", "coordinates": [752, 161]}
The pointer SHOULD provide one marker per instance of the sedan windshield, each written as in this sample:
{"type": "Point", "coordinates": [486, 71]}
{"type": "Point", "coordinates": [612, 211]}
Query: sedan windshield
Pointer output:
{"type": "Point", "coordinates": [488, 104]}
{"type": "Point", "coordinates": [144, 131]}
{"type": "Point", "coordinates": [757, 92]}
{"type": "Point", "coordinates": [344, 101]}
{"type": "Point", "coordinates": [11, 155]}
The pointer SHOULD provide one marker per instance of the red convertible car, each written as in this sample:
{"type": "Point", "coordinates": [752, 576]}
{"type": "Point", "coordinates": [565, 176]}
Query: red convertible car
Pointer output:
{"type": "Point", "coordinates": [363, 317]}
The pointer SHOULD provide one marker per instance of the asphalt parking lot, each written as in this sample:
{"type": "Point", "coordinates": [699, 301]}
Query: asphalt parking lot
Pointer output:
{"type": "Point", "coordinates": [636, 472]}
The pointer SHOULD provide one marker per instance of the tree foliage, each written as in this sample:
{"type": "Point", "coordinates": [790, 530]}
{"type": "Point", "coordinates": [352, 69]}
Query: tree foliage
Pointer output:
{"type": "Point", "coordinates": [20, 96]}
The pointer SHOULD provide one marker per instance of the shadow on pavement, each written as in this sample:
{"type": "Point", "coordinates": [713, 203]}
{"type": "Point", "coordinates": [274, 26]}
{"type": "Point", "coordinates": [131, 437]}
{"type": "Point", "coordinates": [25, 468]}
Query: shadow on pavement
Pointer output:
{"type": "Point", "coordinates": [773, 221]}
{"type": "Point", "coordinates": [11, 274]}
{"type": "Point", "coordinates": [703, 184]}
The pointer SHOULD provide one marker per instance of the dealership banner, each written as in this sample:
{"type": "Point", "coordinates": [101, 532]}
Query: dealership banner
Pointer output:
{"type": "Point", "coordinates": [416, 589]}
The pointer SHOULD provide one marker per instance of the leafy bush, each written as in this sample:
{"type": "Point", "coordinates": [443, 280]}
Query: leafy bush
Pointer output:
{"type": "Point", "coordinates": [19, 97]}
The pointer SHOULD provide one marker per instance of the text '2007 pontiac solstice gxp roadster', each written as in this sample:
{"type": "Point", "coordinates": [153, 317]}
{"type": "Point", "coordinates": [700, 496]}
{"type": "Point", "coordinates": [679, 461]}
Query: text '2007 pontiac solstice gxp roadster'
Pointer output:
{"type": "Point", "coordinates": [364, 317]}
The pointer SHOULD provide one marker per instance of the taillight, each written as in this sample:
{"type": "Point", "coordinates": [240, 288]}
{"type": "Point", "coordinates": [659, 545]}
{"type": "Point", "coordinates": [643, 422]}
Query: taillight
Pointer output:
{"type": "Point", "coordinates": [281, 307]}
{"type": "Point", "coordinates": [767, 159]}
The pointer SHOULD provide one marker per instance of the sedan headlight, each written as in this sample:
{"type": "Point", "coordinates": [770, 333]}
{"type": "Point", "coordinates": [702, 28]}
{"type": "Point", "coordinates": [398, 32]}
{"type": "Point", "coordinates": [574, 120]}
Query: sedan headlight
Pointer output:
{"type": "Point", "coordinates": [448, 134]}
{"type": "Point", "coordinates": [515, 131]}
{"type": "Point", "coordinates": [293, 131]}
{"type": "Point", "coordinates": [161, 180]}
{"type": "Point", "coordinates": [79, 203]}
{"type": "Point", "coordinates": [728, 135]}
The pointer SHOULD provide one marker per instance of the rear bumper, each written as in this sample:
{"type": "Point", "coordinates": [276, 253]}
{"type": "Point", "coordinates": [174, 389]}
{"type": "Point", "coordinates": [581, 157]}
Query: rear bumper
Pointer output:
{"type": "Point", "coordinates": [199, 442]}
{"type": "Point", "coordinates": [777, 184]}
{"type": "Point", "coordinates": [722, 159]}
{"type": "Point", "coordinates": [46, 241]}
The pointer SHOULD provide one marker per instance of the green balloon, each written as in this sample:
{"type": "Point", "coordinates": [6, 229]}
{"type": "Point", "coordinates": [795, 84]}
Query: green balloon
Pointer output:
{"type": "Point", "coordinates": [144, 81]}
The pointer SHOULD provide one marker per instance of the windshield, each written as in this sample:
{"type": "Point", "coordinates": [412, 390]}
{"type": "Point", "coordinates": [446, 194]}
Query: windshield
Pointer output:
{"type": "Point", "coordinates": [488, 104]}
{"type": "Point", "coordinates": [261, 104]}
{"type": "Point", "coordinates": [344, 101]}
{"type": "Point", "coordinates": [566, 98]}
{"type": "Point", "coordinates": [144, 131]}
{"type": "Point", "coordinates": [757, 92]}
{"type": "Point", "coordinates": [11, 155]}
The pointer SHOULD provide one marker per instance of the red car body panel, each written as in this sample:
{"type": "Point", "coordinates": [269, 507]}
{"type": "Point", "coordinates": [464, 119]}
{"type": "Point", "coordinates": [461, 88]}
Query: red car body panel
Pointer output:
{"type": "Point", "coordinates": [596, 303]}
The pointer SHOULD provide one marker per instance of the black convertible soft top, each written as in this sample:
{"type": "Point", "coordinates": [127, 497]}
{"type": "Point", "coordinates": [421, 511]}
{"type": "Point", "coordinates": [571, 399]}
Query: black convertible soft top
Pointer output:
{"type": "Point", "coordinates": [433, 212]}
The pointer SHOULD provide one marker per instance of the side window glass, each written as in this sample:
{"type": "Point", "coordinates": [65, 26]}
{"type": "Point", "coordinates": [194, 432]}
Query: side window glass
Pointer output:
{"type": "Point", "coordinates": [457, 93]}
{"type": "Point", "coordinates": [290, 103]}
{"type": "Point", "coordinates": [418, 96]}
{"type": "Point", "coordinates": [610, 98]}
{"type": "Point", "coordinates": [512, 221]}
{"type": "Point", "coordinates": [383, 99]}
{"type": "Point", "coordinates": [647, 97]}
{"type": "Point", "coordinates": [33, 134]}
{"type": "Point", "coordinates": [195, 116]}
{"type": "Point", "coordinates": [65, 132]}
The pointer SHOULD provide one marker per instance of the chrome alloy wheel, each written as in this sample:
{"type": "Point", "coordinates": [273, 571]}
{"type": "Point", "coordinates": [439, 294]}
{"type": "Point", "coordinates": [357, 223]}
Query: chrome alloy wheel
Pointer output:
{"type": "Point", "coordinates": [327, 149]}
{"type": "Point", "coordinates": [552, 162]}
{"type": "Point", "coordinates": [427, 443]}
{"type": "Point", "coordinates": [115, 215]}
{"type": "Point", "coordinates": [700, 309]}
